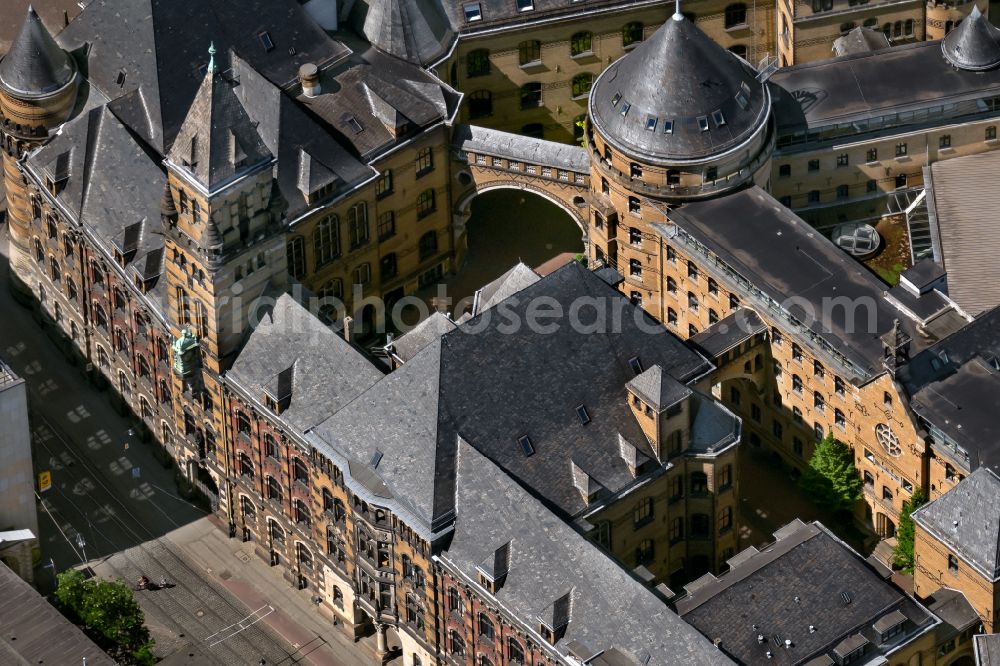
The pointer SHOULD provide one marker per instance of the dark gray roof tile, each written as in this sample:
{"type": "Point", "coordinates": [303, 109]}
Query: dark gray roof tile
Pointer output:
{"type": "Point", "coordinates": [974, 44]}
{"type": "Point", "coordinates": [35, 64]}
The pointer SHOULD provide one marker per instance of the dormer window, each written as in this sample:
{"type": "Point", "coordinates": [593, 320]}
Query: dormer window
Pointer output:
{"type": "Point", "coordinates": [473, 12]}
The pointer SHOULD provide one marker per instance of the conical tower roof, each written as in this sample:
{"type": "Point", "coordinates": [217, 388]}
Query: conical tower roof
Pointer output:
{"type": "Point", "coordinates": [217, 139]}
{"type": "Point", "coordinates": [678, 97]}
{"type": "Point", "coordinates": [417, 31]}
{"type": "Point", "coordinates": [35, 65]}
{"type": "Point", "coordinates": [974, 44]}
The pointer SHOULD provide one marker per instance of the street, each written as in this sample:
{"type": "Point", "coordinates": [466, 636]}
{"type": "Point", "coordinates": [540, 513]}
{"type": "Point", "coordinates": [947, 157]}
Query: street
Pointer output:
{"type": "Point", "coordinates": [112, 503]}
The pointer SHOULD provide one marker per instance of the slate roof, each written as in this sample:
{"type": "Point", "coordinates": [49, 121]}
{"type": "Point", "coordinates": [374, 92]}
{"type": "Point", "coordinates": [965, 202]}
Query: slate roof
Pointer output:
{"type": "Point", "coordinates": [658, 389]}
{"type": "Point", "coordinates": [490, 386]}
{"type": "Point", "coordinates": [987, 649]}
{"type": "Point", "coordinates": [973, 44]}
{"type": "Point", "coordinates": [733, 329]}
{"type": "Point", "coordinates": [35, 64]}
{"type": "Point", "coordinates": [797, 267]}
{"type": "Point", "coordinates": [218, 140]}
{"type": "Point", "coordinates": [410, 343]}
{"type": "Point", "coordinates": [34, 632]}
{"type": "Point", "coordinates": [678, 74]}
{"type": "Point", "coordinates": [113, 187]}
{"type": "Point", "coordinates": [472, 138]}
{"type": "Point", "coordinates": [860, 40]}
{"type": "Point", "coordinates": [965, 204]}
{"type": "Point", "coordinates": [519, 277]}
{"type": "Point", "coordinates": [417, 31]}
{"type": "Point", "coordinates": [953, 609]}
{"type": "Point", "coordinates": [323, 371]}
{"type": "Point", "coordinates": [374, 101]}
{"type": "Point", "coordinates": [167, 49]}
{"type": "Point", "coordinates": [924, 273]}
{"type": "Point", "coordinates": [967, 520]}
{"type": "Point", "coordinates": [798, 581]}
{"type": "Point", "coordinates": [548, 559]}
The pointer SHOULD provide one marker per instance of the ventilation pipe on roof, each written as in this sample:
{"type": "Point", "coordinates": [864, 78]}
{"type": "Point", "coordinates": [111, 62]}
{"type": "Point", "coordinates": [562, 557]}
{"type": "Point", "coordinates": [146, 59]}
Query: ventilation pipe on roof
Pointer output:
{"type": "Point", "coordinates": [309, 78]}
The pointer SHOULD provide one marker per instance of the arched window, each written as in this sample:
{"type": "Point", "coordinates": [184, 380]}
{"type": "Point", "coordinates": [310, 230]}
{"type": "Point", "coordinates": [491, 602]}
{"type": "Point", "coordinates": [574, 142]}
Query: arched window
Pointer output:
{"type": "Point", "coordinates": [277, 534]}
{"type": "Point", "coordinates": [39, 251]}
{"type": "Point", "coordinates": [54, 271]}
{"type": "Point", "coordinates": [480, 104]}
{"type": "Point", "coordinates": [296, 250]}
{"type": "Point", "coordinates": [582, 83]}
{"type": "Point", "coordinates": [246, 465]}
{"type": "Point", "coordinates": [326, 240]}
{"type": "Point", "coordinates": [357, 224]}
{"type": "Point", "coordinates": [428, 245]}
{"type": "Point", "coordinates": [454, 600]}
{"type": "Point", "coordinates": [515, 653]}
{"type": "Point", "coordinates": [248, 510]}
{"type": "Point", "coordinates": [477, 63]}
{"type": "Point", "coordinates": [908, 28]}
{"type": "Point", "coordinates": [531, 95]}
{"type": "Point", "coordinates": [631, 34]}
{"type": "Point", "coordinates": [142, 365]}
{"type": "Point", "coordinates": [304, 556]}
{"type": "Point", "coordinates": [332, 289]}
{"type": "Point", "coordinates": [529, 52]}
{"type": "Point", "coordinates": [300, 471]}
{"type": "Point", "coordinates": [486, 629]}
{"type": "Point", "coordinates": [897, 29]}
{"type": "Point", "coordinates": [273, 489]}
{"type": "Point", "coordinates": [457, 643]}
{"type": "Point", "coordinates": [736, 15]}
{"type": "Point", "coordinates": [581, 43]}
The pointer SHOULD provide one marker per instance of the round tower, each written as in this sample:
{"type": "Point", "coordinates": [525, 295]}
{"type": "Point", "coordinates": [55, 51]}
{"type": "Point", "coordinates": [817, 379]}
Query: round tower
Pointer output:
{"type": "Point", "coordinates": [38, 87]}
{"type": "Point", "coordinates": [974, 45]}
{"type": "Point", "coordinates": [678, 119]}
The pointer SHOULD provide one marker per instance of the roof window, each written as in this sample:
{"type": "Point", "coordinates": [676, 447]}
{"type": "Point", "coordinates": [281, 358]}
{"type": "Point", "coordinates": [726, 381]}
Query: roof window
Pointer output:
{"type": "Point", "coordinates": [265, 40]}
{"type": "Point", "coordinates": [635, 364]}
{"type": "Point", "coordinates": [376, 459]}
{"type": "Point", "coordinates": [581, 411]}
{"type": "Point", "coordinates": [668, 127]}
{"type": "Point", "coordinates": [625, 107]}
{"type": "Point", "coordinates": [473, 12]}
{"type": "Point", "coordinates": [617, 98]}
{"type": "Point", "coordinates": [719, 119]}
{"type": "Point", "coordinates": [651, 123]}
{"type": "Point", "coordinates": [525, 5]}
{"type": "Point", "coordinates": [703, 123]}
{"type": "Point", "coordinates": [527, 448]}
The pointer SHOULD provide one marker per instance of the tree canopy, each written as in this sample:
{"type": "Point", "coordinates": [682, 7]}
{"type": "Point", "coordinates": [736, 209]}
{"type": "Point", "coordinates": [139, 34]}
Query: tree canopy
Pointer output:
{"type": "Point", "coordinates": [831, 479]}
{"type": "Point", "coordinates": [109, 614]}
{"type": "Point", "coordinates": [903, 552]}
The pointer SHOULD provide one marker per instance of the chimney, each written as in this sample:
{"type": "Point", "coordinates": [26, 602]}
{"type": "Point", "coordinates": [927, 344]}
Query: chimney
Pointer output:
{"type": "Point", "coordinates": [309, 78]}
{"type": "Point", "coordinates": [348, 327]}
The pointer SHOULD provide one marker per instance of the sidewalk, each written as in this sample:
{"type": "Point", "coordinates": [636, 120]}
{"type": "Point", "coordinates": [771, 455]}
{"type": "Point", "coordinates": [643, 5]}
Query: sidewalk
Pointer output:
{"type": "Point", "coordinates": [219, 583]}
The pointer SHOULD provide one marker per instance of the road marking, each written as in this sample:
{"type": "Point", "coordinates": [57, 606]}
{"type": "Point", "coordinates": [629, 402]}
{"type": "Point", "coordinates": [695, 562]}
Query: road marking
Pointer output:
{"type": "Point", "coordinates": [244, 624]}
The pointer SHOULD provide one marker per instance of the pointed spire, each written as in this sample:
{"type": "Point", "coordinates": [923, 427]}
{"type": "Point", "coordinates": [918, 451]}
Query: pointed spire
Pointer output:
{"type": "Point", "coordinates": [211, 57]}
{"type": "Point", "coordinates": [974, 44]}
{"type": "Point", "coordinates": [35, 64]}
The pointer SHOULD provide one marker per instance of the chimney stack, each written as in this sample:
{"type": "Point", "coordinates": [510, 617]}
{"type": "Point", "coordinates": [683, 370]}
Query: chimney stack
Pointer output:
{"type": "Point", "coordinates": [309, 78]}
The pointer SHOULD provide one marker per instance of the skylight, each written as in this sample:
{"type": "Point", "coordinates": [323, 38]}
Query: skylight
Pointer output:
{"type": "Point", "coordinates": [625, 107]}
{"type": "Point", "coordinates": [668, 127]}
{"type": "Point", "coordinates": [719, 119]}
{"type": "Point", "coordinates": [473, 12]}
{"type": "Point", "coordinates": [527, 448]}
{"type": "Point", "coordinates": [376, 458]}
{"type": "Point", "coordinates": [703, 123]}
{"type": "Point", "coordinates": [617, 98]}
{"type": "Point", "coordinates": [651, 123]}
{"type": "Point", "coordinates": [525, 5]}
{"type": "Point", "coordinates": [581, 411]}
{"type": "Point", "coordinates": [265, 40]}
{"type": "Point", "coordinates": [635, 364]}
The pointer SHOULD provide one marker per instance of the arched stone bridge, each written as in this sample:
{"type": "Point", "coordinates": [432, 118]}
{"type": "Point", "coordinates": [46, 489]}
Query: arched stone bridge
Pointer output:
{"type": "Point", "coordinates": [488, 159]}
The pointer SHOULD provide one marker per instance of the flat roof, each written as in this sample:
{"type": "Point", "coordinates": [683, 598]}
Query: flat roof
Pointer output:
{"type": "Point", "coordinates": [33, 630]}
{"type": "Point", "coordinates": [800, 269]}
{"type": "Point", "coordinates": [966, 199]}
{"type": "Point", "coordinates": [863, 85]}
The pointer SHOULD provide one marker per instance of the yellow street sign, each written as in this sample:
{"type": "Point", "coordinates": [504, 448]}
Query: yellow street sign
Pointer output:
{"type": "Point", "coordinates": [44, 481]}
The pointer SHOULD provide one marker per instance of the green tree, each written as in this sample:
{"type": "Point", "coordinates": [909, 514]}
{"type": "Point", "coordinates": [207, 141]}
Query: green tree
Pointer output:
{"type": "Point", "coordinates": [903, 552]}
{"type": "Point", "coordinates": [831, 478]}
{"type": "Point", "coordinates": [109, 613]}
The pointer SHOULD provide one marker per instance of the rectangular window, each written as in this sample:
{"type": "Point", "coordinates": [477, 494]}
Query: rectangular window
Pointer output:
{"type": "Point", "coordinates": [524, 5]}
{"type": "Point", "coordinates": [473, 12]}
{"type": "Point", "coordinates": [386, 225]}
{"type": "Point", "coordinates": [900, 150]}
{"type": "Point", "coordinates": [944, 141]}
{"type": "Point", "coordinates": [424, 161]}
{"type": "Point", "coordinates": [843, 160]}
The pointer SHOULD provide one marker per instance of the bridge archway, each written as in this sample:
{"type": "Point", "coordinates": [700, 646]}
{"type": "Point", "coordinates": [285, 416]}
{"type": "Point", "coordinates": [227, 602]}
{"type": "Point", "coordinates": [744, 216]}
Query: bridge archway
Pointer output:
{"type": "Point", "coordinates": [576, 208]}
